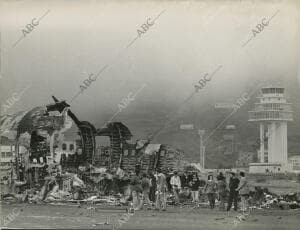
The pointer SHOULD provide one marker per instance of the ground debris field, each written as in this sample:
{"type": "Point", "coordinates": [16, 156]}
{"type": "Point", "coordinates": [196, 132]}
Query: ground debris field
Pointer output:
{"type": "Point", "coordinates": [93, 217]}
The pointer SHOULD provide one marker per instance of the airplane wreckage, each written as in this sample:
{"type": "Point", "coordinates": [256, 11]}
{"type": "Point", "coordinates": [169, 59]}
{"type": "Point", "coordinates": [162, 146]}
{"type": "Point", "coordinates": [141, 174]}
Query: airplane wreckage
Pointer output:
{"type": "Point", "coordinates": [41, 129]}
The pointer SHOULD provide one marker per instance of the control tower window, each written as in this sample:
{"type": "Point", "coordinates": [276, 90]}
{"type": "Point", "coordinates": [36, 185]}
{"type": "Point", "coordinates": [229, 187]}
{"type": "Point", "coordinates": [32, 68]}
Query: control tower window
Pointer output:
{"type": "Point", "coordinates": [279, 91]}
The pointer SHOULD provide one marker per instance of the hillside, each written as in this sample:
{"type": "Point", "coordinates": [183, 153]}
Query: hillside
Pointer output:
{"type": "Point", "coordinates": [150, 119]}
{"type": "Point", "coordinates": [166, 118]}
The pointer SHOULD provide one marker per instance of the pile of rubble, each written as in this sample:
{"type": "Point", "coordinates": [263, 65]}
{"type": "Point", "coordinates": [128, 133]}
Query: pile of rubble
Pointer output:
{"type": "Point", "coordinates": [86, 185]}
{"type": "Point", "coordinates": [264, 199]}
{"type": "Point", "coordinates": [102, 186]}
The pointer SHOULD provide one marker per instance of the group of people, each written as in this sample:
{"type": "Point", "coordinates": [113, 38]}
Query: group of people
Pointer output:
{"type": "Point", "coordinates": [228, 191]}
{"type": "Point", "coordinates": [152, 189]}
{"type": "Point", "coordinates": [149, 188]}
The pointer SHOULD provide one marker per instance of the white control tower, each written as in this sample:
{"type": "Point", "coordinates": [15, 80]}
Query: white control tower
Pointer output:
{"type": "Point", "coordinates": [272, 112]}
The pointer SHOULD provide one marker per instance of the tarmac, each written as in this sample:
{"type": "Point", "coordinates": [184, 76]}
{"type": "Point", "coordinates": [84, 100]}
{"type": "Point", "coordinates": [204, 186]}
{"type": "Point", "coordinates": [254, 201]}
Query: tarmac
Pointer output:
{"type": "Point", "coordinates": [62, 216]}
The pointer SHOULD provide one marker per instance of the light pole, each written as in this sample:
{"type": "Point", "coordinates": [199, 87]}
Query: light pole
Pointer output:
{"type": "Point", "coordinates": [201, 133]}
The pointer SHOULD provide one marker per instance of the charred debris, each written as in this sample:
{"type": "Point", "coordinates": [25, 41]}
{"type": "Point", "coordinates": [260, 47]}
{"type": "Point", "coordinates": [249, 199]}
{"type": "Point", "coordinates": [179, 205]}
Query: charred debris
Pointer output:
{"type": "Point", "coordinates": [38, 167]}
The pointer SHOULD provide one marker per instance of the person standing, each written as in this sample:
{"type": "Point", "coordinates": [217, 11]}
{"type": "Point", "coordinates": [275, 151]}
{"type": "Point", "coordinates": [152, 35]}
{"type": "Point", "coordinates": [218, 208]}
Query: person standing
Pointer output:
{"type": "Point", "coordinates": [136, 189]}
{"type": "Point", "coordinates": [186, 178]}
{"type": "Point", "coordinates": [77, 185]}
{"type": "Point", "coordinates": [145, 182]}
{"type": "Point", "coordinates": [161, 200]}
{"type": "Point", "coordinates": [195, 183]}
{"type": "Point", "coordinates": [221, 185]}
{"type": "Point", "coordinates": [176, 186]}
{"type": "Point", "coordinates": [210, 189]}
{"type": "Point", "coordinates": [243, 190]}
{"type": "Point", "coordinates": [233, 193]}
{"type": "Point", "coordinates": [12, 178]}
{"type": "Point", "coordinates": [153, 187]}
{"type": "Point", "coordinates": [168, 180]}
{"type": "Point", "coordinates": [114, 182]}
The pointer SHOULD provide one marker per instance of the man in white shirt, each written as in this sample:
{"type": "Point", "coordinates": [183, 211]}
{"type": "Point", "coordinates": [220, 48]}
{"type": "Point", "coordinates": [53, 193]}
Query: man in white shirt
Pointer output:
{"type": "Point", "coordinates": [176, 185]}
{"type": "Point", "coordinates": [161, 189]}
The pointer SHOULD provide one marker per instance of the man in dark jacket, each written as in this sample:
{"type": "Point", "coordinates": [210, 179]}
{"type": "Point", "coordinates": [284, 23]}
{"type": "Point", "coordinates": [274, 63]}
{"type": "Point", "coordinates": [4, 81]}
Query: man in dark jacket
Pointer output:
{"type": "Point", "coordinates": [153, 187]}
{"type": "Point", "coordinates": [233, 193]}
{"type": "Point", "coordinates": [194, 185]}
{"type": "Point", "coordinates": [186, 178]}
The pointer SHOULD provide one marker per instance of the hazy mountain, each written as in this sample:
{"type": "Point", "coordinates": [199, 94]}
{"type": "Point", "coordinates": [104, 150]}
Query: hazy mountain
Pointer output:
{"type": "Point", "coordinates": [148, 120]}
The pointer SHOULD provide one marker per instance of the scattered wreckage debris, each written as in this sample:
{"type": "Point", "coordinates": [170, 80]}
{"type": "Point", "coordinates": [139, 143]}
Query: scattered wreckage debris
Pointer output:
{"type": "Point", "coordinates": [34, 136]}
{"type": "Point", "coordinates": [90, 176]}
{"type": "Point", "coordinates": [262, 198]}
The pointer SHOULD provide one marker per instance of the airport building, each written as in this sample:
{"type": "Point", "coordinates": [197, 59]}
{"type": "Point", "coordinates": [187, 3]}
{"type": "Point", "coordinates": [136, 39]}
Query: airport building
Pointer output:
{"type": "Point", "coordinates": [272, 113]}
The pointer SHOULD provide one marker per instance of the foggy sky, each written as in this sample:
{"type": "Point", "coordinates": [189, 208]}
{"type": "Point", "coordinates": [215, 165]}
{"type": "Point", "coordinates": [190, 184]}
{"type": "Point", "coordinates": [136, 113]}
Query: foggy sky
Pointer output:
{"type": "Point", "coordinates": [191, 38]}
